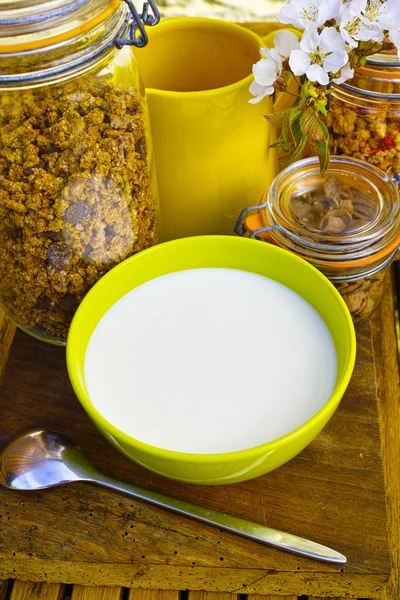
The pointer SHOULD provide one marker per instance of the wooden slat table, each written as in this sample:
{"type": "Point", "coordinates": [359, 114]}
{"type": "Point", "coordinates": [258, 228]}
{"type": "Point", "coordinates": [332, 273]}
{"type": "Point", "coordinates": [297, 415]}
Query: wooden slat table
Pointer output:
{"type": "Point", "coordinates": [68, 539]}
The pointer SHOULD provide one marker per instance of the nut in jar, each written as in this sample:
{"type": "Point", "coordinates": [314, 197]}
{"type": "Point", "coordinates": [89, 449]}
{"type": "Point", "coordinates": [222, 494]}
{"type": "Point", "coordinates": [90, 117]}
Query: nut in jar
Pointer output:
{"type": "Point", "coordinates": [362, 295]}
{"type": "Point", "coordinates": [347, 224]}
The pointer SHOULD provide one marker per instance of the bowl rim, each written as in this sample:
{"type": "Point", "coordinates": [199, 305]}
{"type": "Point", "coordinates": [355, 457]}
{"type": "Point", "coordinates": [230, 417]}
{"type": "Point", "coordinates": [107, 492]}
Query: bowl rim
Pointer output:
{"type": "Point", "coordinates": [206, 458]}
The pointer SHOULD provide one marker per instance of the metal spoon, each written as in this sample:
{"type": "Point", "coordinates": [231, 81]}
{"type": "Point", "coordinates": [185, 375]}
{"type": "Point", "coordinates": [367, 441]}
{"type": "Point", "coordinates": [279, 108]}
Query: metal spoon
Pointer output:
{"type": "Point", "coordinates": [43, 459]}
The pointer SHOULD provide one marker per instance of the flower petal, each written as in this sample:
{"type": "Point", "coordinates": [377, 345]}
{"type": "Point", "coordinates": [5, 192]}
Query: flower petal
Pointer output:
{"type": "Point", "coordinates": [372, 33]}
{"type": "Point", "coordinates": [285, 42]}
{"type": "Point", "coordinates": [287, 17]}
{"type": "Point", "coordinates": [331, 40]}
{"type": "Point", "coordinates": [346, 73]}
{"type": "Point", "coordinates": [310, 39]}
{"type": "Point", "coordinates": [260, 92]}
{"type": "Point", "coordinates": [357, 7]}
{"type": "Point", "coordinates": [275, 56]}
{"type": "Point", "coordinates": [335, 61]}
{"type": "Point", "coordinates": [317, 73]}
{"type": "Point", "coordinates": [347, 37]}
{"type": "Point", "coordinates": [328, 10]}
{"type": "Point", "coordinates": [299, 62]}
{"type": "Point", "coordinates": [265, 72]}
{"type": "Point", "coordinates": [390, 14]}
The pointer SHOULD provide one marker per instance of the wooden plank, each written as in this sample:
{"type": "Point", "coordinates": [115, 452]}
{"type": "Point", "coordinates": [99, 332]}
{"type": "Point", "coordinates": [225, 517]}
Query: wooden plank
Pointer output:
{"type": "Point", "coordinates": [170, 577]}
{"type": "Point", "coordinates": [257, 597]}
{"type": "Point", "coordinates": [202, 595]}
{"type": "Point", "coordinates": [3, 589]}
{"type": "Point", "coordinates": [138, 594]}
{"type": "Point", "coordinates": [7, 331]}
{"type": "Point", "coordinates": [26, 590]}
{"type": "Point", "coordinates": [82, 592]}
{"type": "Point", "coordinates": [388, 381]}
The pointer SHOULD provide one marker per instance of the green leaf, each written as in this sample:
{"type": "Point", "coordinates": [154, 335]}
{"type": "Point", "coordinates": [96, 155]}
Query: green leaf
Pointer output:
{"type": "Point", "coordinates": [281, 143]}
{"type": "Point", "coordinates": [288, 123]}
{"type": "Point", "coordinates": [323, 155]}
{"type": "Point", "coordinates": [310, 125]}
{"type": "Point", "coordinates": [324, 129]}
{"type": "Point", "coordinates": [277, 118]}
{"type": "Point", "coordinates": [296, 130]}
{"type": "Point", "coordinates": [321, 107]}
{"type": "Point", "coordinates": [294, 152]}
{"type": "Point", "coordinates": [300, 147]}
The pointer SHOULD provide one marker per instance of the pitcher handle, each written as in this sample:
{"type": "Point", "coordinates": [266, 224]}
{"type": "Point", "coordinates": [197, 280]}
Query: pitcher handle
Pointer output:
{"type": "Point", "coordinates": [282, 99]}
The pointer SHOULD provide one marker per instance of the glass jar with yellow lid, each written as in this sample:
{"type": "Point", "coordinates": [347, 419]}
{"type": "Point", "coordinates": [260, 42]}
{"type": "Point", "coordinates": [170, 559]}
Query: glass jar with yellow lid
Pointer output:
{"type": "Point", "coordinates": [364, 117]}
{"type": "Point", "coordinates": [347, 224]}
{"type": "Point", "coordinates": [77, 183]}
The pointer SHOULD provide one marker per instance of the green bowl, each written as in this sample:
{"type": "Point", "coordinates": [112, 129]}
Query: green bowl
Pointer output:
{"type": "Point", "coordinates": [225, 252]}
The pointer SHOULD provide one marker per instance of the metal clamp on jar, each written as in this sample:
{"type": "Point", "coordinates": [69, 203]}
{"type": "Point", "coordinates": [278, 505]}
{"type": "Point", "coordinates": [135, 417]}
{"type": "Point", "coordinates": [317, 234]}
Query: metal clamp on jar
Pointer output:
{"type": "Point", "coordinates": [77, 184]}
{"type": "Point", "coordinates": [346, 224]}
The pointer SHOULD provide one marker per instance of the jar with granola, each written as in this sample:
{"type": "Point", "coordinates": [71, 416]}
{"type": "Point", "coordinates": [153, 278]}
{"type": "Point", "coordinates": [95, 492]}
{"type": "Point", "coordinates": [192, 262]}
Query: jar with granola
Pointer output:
{"type": "Point", "coordinates": [347, 224]}
{"type": "Point", "coordinates": [364, 117]}
{"type": "Point", "coordinates": [77, 183]}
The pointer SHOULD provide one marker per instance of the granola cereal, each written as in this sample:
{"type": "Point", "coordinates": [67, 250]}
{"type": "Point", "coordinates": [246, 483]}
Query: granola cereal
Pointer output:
{"type": "Point", "coordinates": [369, 134]}
{"type": "Point", "coordinates": [76, 196]}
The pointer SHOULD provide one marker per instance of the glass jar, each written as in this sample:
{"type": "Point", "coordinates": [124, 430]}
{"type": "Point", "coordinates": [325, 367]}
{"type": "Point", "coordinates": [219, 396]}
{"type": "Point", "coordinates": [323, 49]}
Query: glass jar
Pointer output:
{"type": "Point", "coordinates": [364, 117]}
{"type": "Point", "coordinates": [347, 224]}
{"type": "Point", "coordinates": [77, 183]}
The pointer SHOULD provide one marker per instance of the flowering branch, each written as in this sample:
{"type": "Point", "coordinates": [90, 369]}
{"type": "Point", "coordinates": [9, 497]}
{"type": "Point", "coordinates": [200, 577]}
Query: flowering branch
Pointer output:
{"type": "Point", "coordinates": [338, 36]}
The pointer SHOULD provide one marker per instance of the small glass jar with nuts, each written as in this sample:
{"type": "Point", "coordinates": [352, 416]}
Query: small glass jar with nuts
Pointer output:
{"type": "Point", "coordinates": [347, 224]}
{"type": "Point", "coordinates": [363, 120]}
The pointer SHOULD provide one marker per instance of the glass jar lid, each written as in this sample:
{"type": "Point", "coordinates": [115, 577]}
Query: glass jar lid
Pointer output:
{"type": "Point", "coordinates": [41, 41]}
{"type": "Point", "coordinates": [380, 78]}
{"type": "Point", "coordinates": [31, 24]}
{"type": "Point", "coordinates": [351, 216]}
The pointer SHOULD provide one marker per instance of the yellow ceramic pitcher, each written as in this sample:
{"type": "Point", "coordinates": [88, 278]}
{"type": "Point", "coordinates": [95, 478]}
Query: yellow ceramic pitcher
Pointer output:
{"type": "Point", "coordinates": [210, 144]}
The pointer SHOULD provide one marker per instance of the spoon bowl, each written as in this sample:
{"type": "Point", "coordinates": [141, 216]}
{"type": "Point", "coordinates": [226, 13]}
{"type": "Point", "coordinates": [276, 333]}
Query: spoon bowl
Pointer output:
{"type": "Point", "coordinates": [42, 459]}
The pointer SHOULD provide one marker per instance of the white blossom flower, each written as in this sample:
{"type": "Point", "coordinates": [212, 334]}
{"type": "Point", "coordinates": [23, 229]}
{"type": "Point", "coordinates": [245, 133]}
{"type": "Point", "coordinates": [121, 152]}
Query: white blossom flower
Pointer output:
{"type": "Point", "coordinates": [267, 70]}
{"type": "Point", "coordinates": [285, 42]}
{"type": "Point", "coordinates": [301, 13]}
{"type": "Point", "coordinates": [388, 13]}
{"type": "Point", "coordinates": [346, 73]}
{"type": "Point", "coordinates": [366, 20]}
{"type": "Point", "coordinates": [319, 54]}
{"type": "Point", "coordinates": [355, 28]}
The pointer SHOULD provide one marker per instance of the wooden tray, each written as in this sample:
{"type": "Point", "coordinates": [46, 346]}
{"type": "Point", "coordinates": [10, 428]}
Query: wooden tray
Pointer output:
{"type": "Point", "coordinates": [333, 492]}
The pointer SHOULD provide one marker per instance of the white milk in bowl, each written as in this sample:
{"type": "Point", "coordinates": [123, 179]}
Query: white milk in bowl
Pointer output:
{"type": "Point", "coordinates": [210, 361]}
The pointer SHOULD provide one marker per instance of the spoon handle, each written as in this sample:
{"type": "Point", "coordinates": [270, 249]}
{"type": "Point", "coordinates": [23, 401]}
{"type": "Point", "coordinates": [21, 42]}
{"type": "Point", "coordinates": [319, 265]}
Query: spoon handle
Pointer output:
{"type": "Point", "coordinates": [266, 535]}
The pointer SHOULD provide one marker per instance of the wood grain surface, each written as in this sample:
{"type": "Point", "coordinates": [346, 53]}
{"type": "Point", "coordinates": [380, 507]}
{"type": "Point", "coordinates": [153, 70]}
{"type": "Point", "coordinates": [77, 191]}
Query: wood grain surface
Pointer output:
{"type": "Point", "coordinates": [333, 492]}
{"type": "Point", "coordinates": [7, 331]}
{"type": "Point", "coordinates": [48, 591]}
{"type": "Point", "coordinates": [386, 355]}
{"type": "Point", "coordinates": [138, 594]}
{"type": "Point", "coordinates": [81, 592]}
{"type": "Point", "coordinates": [25, 590]}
